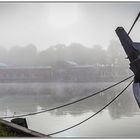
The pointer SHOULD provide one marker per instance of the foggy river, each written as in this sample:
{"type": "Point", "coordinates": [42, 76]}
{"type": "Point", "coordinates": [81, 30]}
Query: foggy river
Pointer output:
{"type": "Point", "coordinates": [53, 53]}
{"type": "Point", "coordinates": [120, 119]}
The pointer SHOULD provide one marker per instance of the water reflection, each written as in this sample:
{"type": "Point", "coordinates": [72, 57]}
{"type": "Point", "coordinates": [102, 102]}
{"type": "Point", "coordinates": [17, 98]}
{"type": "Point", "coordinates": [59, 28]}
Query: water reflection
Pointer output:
{"type": "Point", "coordinates": [31, 97]}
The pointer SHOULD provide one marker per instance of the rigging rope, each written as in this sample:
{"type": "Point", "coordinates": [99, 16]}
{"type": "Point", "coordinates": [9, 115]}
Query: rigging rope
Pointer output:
{"type": "Point", "coordinates": [67, 104]}
{"type": "Point", "coordinates": [93, 114]}
{"type": "Point", "coordinates": [134, 23]}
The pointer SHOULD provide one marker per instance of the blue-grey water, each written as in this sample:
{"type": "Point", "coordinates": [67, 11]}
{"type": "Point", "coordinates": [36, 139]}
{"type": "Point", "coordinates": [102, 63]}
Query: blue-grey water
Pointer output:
{"type": "Point", "coordinates": [120, 119]}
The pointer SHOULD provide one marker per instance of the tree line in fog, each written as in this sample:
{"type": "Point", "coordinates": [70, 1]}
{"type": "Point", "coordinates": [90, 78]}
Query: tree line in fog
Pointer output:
{"type": "Point", "coordinates": [82, 55]}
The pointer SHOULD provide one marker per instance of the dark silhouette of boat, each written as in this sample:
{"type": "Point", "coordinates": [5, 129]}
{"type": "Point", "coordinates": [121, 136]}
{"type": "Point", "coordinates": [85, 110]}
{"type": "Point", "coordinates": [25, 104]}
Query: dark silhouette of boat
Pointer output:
{"type": "Point", "coordinates": [132, 50]}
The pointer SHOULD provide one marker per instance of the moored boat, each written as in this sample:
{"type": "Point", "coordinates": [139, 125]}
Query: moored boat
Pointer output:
{"type": "Point", "coordinates": [132, 50]}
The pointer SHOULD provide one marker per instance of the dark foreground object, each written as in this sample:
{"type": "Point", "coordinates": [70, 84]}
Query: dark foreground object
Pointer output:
{"type": "Point", "coordinates": [9, 129]}
{"type": "Point", "coordinates": [20, 121]}
{"type": "Point", "coordinates": [132, 50]}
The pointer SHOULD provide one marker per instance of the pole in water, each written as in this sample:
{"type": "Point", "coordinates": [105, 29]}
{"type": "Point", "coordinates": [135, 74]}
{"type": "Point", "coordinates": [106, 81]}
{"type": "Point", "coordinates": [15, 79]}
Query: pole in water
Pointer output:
{"type": "Point", "coordinates": [134, 22]}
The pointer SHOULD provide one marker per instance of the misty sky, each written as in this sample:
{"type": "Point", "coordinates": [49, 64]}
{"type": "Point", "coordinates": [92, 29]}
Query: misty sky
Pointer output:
{"type": "Point", "coordinates": [47, 24]}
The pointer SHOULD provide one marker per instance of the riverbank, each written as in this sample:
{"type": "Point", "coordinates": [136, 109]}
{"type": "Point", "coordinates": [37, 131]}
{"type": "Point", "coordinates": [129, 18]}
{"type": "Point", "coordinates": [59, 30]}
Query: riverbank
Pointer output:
{"type": "Point", "coordinates": [5, 132]}
{"type": "Point", "coordinates": [8, 129]}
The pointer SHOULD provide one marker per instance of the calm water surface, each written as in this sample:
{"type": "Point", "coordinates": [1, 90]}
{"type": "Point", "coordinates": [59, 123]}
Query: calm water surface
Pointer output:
{"type": "Point", "coordinates": [120, 119]}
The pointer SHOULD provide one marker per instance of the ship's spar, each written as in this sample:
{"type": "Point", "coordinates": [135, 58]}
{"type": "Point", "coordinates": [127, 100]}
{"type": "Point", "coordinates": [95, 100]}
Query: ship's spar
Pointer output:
{"type": "Point", "coordinates": [132, 50]}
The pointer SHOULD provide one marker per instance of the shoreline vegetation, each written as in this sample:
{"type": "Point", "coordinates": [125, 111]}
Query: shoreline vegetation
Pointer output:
{"type": "Point", "coordinates": [78, 53]}
{"type": "Point", "coordinates": [6, 131]}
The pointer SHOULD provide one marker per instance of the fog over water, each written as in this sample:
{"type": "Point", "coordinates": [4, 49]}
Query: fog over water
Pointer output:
{"type": "Point", "coordinates": [25, 98]}
{"type": "Point", "coordinates": [55, 53]}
